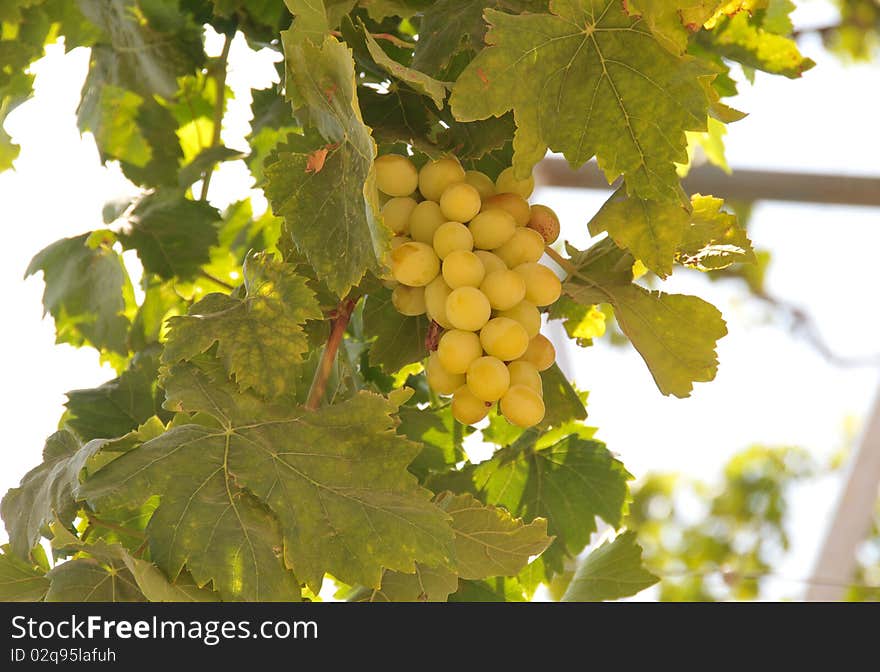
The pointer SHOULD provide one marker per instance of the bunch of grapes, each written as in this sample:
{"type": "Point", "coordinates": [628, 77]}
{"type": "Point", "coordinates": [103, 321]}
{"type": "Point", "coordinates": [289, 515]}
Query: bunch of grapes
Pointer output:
{"type": "Point", "coordinates": [466, 252]}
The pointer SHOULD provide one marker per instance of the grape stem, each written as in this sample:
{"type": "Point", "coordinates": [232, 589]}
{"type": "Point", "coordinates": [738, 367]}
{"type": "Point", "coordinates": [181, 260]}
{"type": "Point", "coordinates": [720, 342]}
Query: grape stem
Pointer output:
{"type": "Point", "coordinates": [219, 106]}
{"type": "Point", "coordinates": [566, 265]}
{"type": "Point", "coordinates": [340, 318]}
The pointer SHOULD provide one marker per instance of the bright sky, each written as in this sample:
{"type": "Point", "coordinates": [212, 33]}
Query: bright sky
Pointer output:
{"type": "Point", "coordinates": [770, 387]}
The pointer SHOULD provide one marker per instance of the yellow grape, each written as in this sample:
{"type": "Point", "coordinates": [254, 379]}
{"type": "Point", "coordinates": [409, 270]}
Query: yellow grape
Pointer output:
{"type": "Point", "coordinates": [504, 338]}
{"type": "Point", "coordinates": [541, 354]}
{"type": "Point", "coordinates": [396, 175]}
{"type": "Point", "coordinates": [452, 236]}
{"type": "Point", "coordinates": [525, 373]}
{"type": "Point", "coordinates": [468, 308]}
{"type": "Point", "coordinates": [414, 264]}
{"type": "Point", "coordinates": [396, 213]}
{"type": "Point", "coordinates": [439, 379]}
{"type": "Point", "coordinates": [513, 204]}
{"type": "Point", "coordinates": [424, 221]}
{"type": "Point", "coordinates": [462, 268]}
{"type": "Point", "coordinates": [527, 315]}
{"type": "Point", "coordinates": [488, 378]}
{"type": "Point", "coordinates": [504, 289]}
{"type": "Point", "coordinates": [457, 349]}
{"type": "Point", "coordinates": [409, 300]}
{"type": "Point", "coordinates": [436, 293]}
{"type": "Point", "coordinates": [491, 261]}
{"type": "Point", "coordinates": [481, 182]}
{"type": "Point", "coordinates": [492, 228]}
{"type": "Point", "coordinates": [466, 408]}
{"type": "Point", "coordinates": [436, 176]}
{"type": "Point", "coordinates": [544, 221]}
{"type": "Point", "coordinates": [522, 406]}
{"type": "Point", "coordinates": [542, 285]}
{"type": "Point", "coordinates": [507, 182]}
{"type": "Point", "coordinates": [525, 245]}
{"type": "Point", "coordinates": [460, 202]}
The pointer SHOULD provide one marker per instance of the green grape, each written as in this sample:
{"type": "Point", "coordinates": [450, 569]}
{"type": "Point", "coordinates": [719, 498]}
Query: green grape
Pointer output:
{"type": "Point", "coordinates": [436, 293]}
{"type": "Point", "coordinates": [544, 221]}
{"type": "Point", "coordinates": [504, 289]}
{"type": "Point", "coordinates": [542, 285]}
{"type": "Point", "coordinates": [452, 236]}
{"type": "Point", "coordinates": [504, 338]}
{"type": "Point", "coordinates": [525, 245]}
{"type": "Point", "coordinates": [462, 268]}
{"type": "Point", "coordinates": [424, 221]}
{"type": "Point", "coordinates": [488, 378]}
{"type": "Point", "coordinates": [508, 183]}
{"type": "Point", "coordinates": [541, 354]}
{"type": "Point", "coordinates": [397, 241]}
{"type": "Point", "coordinates": [460, 202]}
{"type": "Point", "coordinates": [466, 408]}
{"type": "Point", "coordinates": [491, 261]}
{"type": "Point", "coordinates": [526, 314]}
{"type": "Point", "coordinates": [481, 182]}
{"type": "Point", "coordinates": [492, 228]}
{"type": "Point", "coordinates": [468, 308]}
{"type": "Point", "coordinates": [414, 264]}
{"type": "Point", "coordinates": [522, 406]}
{"type": "Point", "coordinates": [439, 379]}
{"type": "Point", "coordinates": [396, 213]}
{"type": "Point", "coordinates": [396, 175]}
{"type": "Point", "coordinates": [409, 300]}
{"type": "Point", "coordinates": [436, 176]}
{"type": "Point", "coordinates": [513, 204]}
{"type": "Point", "coordinates": [525, 373]}
{"type": "Point", "coordinates": [457, 349]}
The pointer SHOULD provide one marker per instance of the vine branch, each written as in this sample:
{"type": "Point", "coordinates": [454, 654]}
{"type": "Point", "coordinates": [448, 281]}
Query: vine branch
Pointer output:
{"type": "Point", "coordinates": [340, 317]}
{"type": "Point", "coordinates": [221, 67]}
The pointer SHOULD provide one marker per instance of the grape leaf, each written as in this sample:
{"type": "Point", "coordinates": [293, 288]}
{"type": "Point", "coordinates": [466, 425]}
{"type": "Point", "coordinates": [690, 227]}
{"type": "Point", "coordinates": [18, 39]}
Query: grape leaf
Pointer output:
{"type": "Point", "coordinates": [588, 80]}
{"type": "Point", "coordinates": [434, 429]}
{"type": "Point", "coordinates": [674, 333]}
{"type": "Point", "coordinates": [114, 125]}
{"type": "Point", "coordinates": [382, 9]}
{"type": "Point", "coordinates": [47, 491]}
{"type": "Point", "coordinates": [87, 580]}
{"type": "Point", "coordinates": [205, 160]}
{"type": "Point", "coordinates": [331, 214]}
{"type": "Point", "coordinates": [714, 239]}
{"type": "Point", "coordinates": [450, 26]}
{"type": "Point", "coordinates": [119, 405]}
{"type": "Point", "coordinates": [87, 292]}
{"type": "Point", "coordinates": [21, 581]}
{"type": "Point", "coordinates": [335, 478]}
{"type": "Point", "coordinates": [260, 335]}
{"type": "Point", "coordinates": [498, 589]}
{"type": "Point", "coordinates": [672, 22]}
{"type": "Point", "coordinates": [569, 483]}
{"type": "Point", "coordinates": [650, 230]}
{"type": "Point", "coordinates": [172, 234]}
{"type": "Point", "coordinates": [612, 571]}
{"type": "Point", "coordinates": [739, 39]}
{"type": "Point", "coordinates": [561, 402]}
{"type": "Point", "coordinates": [399, 339]}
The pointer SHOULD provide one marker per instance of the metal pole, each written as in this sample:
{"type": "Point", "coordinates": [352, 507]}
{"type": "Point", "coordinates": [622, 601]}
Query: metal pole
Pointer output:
{"type": "Point", "coordinates": [742, 185]}
{"type": "Point", "coordinates": [851, 520]}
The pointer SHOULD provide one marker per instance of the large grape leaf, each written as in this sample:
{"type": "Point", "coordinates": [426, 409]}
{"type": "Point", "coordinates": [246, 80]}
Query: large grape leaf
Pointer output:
{"type": "Point", "coordinates": [119, 405]}
{"type": "Point", "coordinates": [335, 479]}
{"type": "Point", "coordinates": [399, 339]}
{"type": "Point", "coordinates": [650, 230]}
{"type": "Point", "coordinates": [570, 482]}
{"type": "Point", "coordinates": [47, 491]}
{"type": "Point", "coordinates": [260, 336]}
{"type": "Point", "coordinates": [88, 580]}
{"type": "Point", "coordinates": [674, 333]}
{"type": "Point", "coordinates": [435, 430]}
{"type": "Point", "coordinates": [672, 21]}
{"type": "Point", "coordinates": [612, 571]}
{"type": "Point", "coordinates": [588, 80]}
{"type": "Point", "coordinates": [714, 239]}
{"type": "Point", "coordinates": [21, 581]}
{"type": "Point", "coordinates": [87, 292]}
{"type": "Point", "coordinates": [426, 584]}
{"type": "Point", "coordinates": [450, 26]}
{"type": "Point", "coordinates": [739, 39]}
{"type": "Point", "coordinates": [331, 212]}
{"type": "Point", "coordinates": [172, 234]}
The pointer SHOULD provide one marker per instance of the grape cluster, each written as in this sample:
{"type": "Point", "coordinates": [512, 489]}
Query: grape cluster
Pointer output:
{"type": "Point", "coordinates": [466, 252]}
